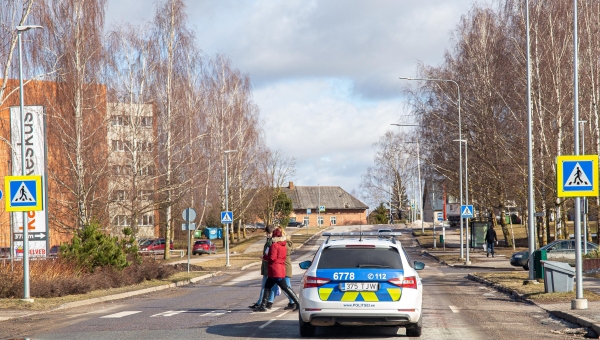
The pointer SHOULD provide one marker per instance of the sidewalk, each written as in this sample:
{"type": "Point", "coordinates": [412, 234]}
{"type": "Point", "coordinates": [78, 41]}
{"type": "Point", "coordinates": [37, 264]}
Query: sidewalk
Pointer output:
{"type": "Point", "coordinates": [583, 317]}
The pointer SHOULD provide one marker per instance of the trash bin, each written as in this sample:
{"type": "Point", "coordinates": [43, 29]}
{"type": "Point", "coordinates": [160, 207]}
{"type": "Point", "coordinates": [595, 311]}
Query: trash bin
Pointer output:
{"type": "Point", "coordinates": [559, 276]}
{"type": "Point", "coordinates": [219, 232]}
{"type": "Point", "coordinates": [441, 239]}
{"type": "Point", "coordinates": [211, 233]}
{"type": "Point", "coordinates": [197, 234]}
{"type": "Point", "coordinates": [539, 256]}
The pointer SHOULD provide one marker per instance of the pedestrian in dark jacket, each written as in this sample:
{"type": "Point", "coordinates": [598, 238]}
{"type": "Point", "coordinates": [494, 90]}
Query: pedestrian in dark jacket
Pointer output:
{"type": "Point", "coordinates": [490, 239]}
{"type": "Point", "coordinates": [263, 272]}
{"type": "Point", "coordinates": [276, 270]}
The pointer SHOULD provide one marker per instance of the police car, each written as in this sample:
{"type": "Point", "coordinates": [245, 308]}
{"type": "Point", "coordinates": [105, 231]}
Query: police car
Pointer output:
{"type": "Point", "coordinates": [362, 278]}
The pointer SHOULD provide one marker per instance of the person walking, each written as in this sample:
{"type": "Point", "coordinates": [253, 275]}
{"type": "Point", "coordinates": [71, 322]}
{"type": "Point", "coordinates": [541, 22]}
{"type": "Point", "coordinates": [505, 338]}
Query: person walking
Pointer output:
{"type": "Point", "coordinates": [288, 268]}
{"type": "Point", "coordinates": [275, 257]}
{"type": "Point", "coordinates": [264, 272]}
{"type": "Point", "coordinates": [490, 239]}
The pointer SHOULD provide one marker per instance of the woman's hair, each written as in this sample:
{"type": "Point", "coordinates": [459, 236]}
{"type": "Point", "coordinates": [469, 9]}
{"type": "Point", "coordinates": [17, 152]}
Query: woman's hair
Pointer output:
{"type": "Point", "coordinates": [277, 232]}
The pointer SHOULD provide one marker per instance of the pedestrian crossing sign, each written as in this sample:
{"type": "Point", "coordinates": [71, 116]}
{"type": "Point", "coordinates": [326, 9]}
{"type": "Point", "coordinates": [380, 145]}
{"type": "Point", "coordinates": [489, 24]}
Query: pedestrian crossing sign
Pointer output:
{"type": "Point", "coordinates": [24, 193]}
{"type": "Point", "coordinates": [577, 176]}
{"type": "Point", "coordinates": [466, 211]}
{"type": "Point", "coordinates": [226, 217]}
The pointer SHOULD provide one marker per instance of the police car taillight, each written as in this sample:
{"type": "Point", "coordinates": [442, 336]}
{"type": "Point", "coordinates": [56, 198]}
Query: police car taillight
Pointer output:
{"type": "Point", "coordinates": [312, 282]}
{"type": "Point", "coordinates": [405, 282]}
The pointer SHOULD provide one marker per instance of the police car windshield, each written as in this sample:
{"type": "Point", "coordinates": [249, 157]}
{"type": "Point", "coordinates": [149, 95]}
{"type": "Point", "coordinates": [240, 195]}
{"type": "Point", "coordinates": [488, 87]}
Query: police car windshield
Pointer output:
{"type": "Point", "coordinates": [333, 258]}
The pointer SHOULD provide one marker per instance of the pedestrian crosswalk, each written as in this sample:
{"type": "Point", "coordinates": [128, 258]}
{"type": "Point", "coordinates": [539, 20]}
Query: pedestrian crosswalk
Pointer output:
{"type": "Point", "coordinates": [200, 312]}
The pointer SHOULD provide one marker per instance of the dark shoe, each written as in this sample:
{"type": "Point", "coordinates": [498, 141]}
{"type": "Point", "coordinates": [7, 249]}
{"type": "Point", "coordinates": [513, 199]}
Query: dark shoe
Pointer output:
{"type": "Point", "coordinates": [296, 307]}
{"type": "Point", "coordinates": [260, 309]}
{"type": "Point", "coordinates": [290, 293]}
{"type": "Point", "coordinates": [254, 306]}
{"type": "Point", "coordinates": [269, 305]}
{"type": "Point", "coordinates": [291, 306]}
{"type": "Point", "coordinates": [492, 255]}
{"type": "Point", "coordinates": [487, 254]}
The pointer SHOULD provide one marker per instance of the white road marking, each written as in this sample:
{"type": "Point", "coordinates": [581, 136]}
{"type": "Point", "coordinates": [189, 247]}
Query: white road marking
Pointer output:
{"type": "Point", "coordinates": [122, 314]}
{"type": "Point", "coordinates": [169, 313]}
{"type": "Point", "coordinates": [215, 313]}
{"type": "Point", "coordinates": [250, 276]}
{"type": "Point", "coordinates": [282, 314]}
{"type": "Point", "coordinates": [266, 324]}
{"type": "Point", "coordinates": [454, 309]}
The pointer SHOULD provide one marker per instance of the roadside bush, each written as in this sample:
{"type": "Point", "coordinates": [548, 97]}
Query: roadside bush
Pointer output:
{"type": "Point", "coordinates": [91, 248]}
{"type": "Point", "coordinates": [59, 277]}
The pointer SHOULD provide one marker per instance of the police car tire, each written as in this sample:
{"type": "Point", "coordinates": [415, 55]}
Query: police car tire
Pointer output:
{"type": "Point", "coordinates": [414, 330]}
{"type": "Point", "coordinates": [306, 329]}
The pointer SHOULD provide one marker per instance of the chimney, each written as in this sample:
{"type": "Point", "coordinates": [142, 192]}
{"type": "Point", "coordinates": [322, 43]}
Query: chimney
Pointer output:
{"type": "Point", "coordinates": [291, 186]}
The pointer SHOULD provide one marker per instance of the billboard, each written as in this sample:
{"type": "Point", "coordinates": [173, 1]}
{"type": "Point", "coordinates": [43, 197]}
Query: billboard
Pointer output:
{"type": "Point", "coordinates": [35, 164]}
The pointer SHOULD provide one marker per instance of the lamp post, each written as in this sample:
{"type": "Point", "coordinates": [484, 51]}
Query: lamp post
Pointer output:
{"type": "Point", "coordinates": [459, 150]}
{"type": "Point", "coordinates": [26, 296]}
{"type": "Point", "coordinates": [227, 209]}
{"type": "Point", "coordinates": [467, 261]}
{"type": "Point", "coordinates": [584, 199]}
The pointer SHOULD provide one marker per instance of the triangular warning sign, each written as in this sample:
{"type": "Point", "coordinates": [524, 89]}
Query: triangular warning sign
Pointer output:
{"type": "Point", "coordinates": [467, 211]}
{"type": "Point", "coordinates": [23, 195]}
{"type": "Point", "coordinates": [578, 178]}
{"type": "Point", "coordinates": [227, 218]}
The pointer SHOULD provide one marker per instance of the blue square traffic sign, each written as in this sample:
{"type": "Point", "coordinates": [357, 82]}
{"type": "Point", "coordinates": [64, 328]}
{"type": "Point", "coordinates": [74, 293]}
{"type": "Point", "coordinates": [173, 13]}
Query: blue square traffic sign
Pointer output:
{"type": "Point", "coordinates": [577, 176]}
{"type": "Point", "coordinates": [226, 217]}
{"type": "Point", "coordinates": [24, 193]}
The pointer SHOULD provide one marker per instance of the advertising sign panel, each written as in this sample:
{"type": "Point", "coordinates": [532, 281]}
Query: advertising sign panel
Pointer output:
{"type": "Point", "coordinates": [35, 164]}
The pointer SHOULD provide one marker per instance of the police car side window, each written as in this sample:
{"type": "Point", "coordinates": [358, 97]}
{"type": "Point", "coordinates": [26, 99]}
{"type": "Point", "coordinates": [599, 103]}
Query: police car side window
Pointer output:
{"type": "Point", "coordinates": [410, 263]}
{"type": "Point", "coordinates": [384, 258]}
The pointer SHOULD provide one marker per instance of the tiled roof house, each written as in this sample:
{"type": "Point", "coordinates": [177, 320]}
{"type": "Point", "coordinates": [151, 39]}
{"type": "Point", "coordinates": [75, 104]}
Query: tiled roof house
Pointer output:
{"type": "Point", "coordinates": [341, 208]}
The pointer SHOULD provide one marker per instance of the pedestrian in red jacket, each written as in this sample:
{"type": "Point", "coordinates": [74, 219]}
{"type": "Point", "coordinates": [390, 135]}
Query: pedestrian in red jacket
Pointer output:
{"type": "Point", "coordinates": [275, 258]}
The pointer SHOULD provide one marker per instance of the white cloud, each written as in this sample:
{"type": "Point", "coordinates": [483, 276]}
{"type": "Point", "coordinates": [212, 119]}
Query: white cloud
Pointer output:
{"type": "Point", "coordinates": [325, 72]}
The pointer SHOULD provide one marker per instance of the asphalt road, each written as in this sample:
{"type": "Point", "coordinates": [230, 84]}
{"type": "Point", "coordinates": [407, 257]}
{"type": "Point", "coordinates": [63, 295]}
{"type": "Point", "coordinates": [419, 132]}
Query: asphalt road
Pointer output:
{"type": "Point", "coordinates": [454, 308]}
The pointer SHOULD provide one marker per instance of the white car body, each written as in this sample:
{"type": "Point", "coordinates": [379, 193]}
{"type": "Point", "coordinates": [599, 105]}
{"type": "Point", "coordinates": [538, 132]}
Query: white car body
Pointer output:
{"type": "Point", "coordinates": [396, 300]}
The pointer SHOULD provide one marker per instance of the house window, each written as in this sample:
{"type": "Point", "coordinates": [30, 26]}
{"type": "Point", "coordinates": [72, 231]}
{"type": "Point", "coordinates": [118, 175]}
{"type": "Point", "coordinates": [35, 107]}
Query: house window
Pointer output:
{"type": "Point", "coordinates": [145, 195]}
{"type": "Point", "coordinates": [120, 145]}
{"type": "Point", "coordinates": [146, 121]}
{"type": "Point", "coordinates": [121, 220]}
{"type": "Point", "coordinates": [121, 170]}
{"type": "Point", "coordinates": [147, 170]}
{"type": "Point", "coordinates": [320, 220]}
{"type": "Point", "coordinates": [144, 146]}
{"type": "Point", "coordinates": [146, 220]}
{"type": "Point", "coordinates": [333, 220]}
{"type": "Point", "coordinates": [120, 195]}
{"type": "Point", "coordinates": [120, 120]}
{"type": "Point", "coordinates": [306, 221]}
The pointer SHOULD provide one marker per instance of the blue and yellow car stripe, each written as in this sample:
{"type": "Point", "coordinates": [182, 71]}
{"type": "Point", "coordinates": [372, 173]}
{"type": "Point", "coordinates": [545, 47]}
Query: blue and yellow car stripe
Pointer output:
{"type": "Point", "coordinates": [387, 292]}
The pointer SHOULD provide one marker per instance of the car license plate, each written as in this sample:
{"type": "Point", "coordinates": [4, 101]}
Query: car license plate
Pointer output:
{"type": "Point", "coordinates": [359, 286]}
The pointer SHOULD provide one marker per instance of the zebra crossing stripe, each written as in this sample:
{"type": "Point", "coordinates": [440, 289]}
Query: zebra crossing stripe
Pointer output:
{"type": "Point", "coordinates": [169, 313]}
{"type": "Point", "coordinates": [121, 314]}
{"type": "Point", "coordinates": [215, 313]}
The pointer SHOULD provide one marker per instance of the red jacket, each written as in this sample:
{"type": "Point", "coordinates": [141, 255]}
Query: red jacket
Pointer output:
{"type": "Point", "coordinates": [276, 258]}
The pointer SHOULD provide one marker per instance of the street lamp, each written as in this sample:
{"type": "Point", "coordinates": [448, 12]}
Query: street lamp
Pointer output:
{"type": "Point", "coordinates": [467, 261]}
{"type": "Point", "coordinates": [26, 296]}
{"type": "Point", "coordinates": [459, 150]}
{"type": "Point", "coordinates": [419, 169]}
{"type": "Point", "coordinates": [226, 152]}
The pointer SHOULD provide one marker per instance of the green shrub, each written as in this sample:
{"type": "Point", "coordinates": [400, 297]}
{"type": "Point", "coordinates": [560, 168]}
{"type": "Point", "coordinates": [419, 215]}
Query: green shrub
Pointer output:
{"type": "Point", "coordinates": [90, 248]}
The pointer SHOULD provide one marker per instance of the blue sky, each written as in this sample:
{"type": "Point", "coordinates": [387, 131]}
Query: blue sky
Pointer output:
{"type": "Point", "coordinates": [325, 73]}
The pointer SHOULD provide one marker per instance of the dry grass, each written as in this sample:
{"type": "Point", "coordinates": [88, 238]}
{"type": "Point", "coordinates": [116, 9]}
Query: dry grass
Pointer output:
{"type": "Point", "coordinates": [514, 281]}
{"type": "Point", "coordinates": [50, 303]}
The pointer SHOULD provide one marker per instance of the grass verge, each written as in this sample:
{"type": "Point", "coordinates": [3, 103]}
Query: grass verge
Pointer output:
{"type": "Point", "coordinates": [535, 292]}
{"type": "Point", "coordinates": [41, 304]}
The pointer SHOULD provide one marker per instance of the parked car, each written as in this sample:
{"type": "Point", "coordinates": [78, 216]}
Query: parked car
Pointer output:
{"type": "Point", "coordinates": [204, 247]}
{"type": "Point", "coordinates": [295, 224]}
{"type": "Point", "coordinates": [4, 252]}
{"type": "Point", "coordinates": [157, 244]}
{"type": "Point", "coordinates": [560, 250]}
{"type": "Point", "coordinates": [53, 252]}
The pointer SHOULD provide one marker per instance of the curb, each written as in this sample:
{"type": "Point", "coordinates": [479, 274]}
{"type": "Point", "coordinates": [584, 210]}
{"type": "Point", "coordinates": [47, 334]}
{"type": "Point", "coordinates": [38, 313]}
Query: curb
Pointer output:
{"type": "Point", "coordinates": [310, 238]}
{"type": "Point", "coordinates": [426, 253]}
{"type": "Point", "coordinates": [250, 265]}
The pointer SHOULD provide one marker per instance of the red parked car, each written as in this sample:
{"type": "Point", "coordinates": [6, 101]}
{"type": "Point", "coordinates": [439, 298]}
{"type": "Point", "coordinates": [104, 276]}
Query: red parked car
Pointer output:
{"type": "Point", "coordinates": [204, 247]}
{"type": "Point", "coordinates": [155, 245]}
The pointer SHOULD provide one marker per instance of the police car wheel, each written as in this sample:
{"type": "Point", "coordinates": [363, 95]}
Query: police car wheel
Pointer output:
{"type": "Point", "coordinates": [306, 329]}
{"type": "Point", "coordinates": [414, 330]}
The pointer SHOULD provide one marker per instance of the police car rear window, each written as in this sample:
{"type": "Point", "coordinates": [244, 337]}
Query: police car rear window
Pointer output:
{"type": "Point", "coordinates": [384, 258]}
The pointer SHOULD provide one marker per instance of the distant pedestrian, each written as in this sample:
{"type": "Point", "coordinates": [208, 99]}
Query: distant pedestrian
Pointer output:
{"type": "Point", "coordinates": [490, 239]}
{"type": "Point", "coordinates": [276, 255]}
{"type": "Point", "coordinates": [264, 272]}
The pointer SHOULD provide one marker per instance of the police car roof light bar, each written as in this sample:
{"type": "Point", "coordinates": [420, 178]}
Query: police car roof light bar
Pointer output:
{"type": "Point", "coordinates": [361, 234]}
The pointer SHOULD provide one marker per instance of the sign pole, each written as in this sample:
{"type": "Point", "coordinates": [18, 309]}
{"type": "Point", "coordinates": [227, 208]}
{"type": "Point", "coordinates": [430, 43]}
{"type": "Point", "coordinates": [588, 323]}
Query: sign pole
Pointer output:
{"type": "Point", "coordinates": [187, 226]}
